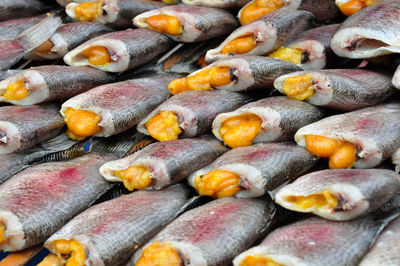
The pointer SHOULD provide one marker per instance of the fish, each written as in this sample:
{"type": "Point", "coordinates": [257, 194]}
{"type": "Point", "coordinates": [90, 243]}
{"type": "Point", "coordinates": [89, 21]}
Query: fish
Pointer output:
{"type": "Point", "coordinates": [266, 120]}
{"type": "Point", "coordinates": [340, 194]}
{"type": "Point", "coordinates": [311, 50]}
{"type": "Point", "coordinates": [349, 7]}
{"type": "Point", "coordinates": [225, 4]}
{"type": "Point", "coordinates": [64, 3]}
{"type": "Point", "coordinates": [359, 139]}
{"type": "Point", "coordinates": [50, 82]}
{"type": "Point", "coordinates": [110, 232]}
{"type": "Point", "coordinates": [249, 172]}
{"type": "Point", "coordinates": [342, 89]}
{"type": "Point", "coordinates": [255, 9]}
{"type": "Point", "coordinates": [115, 13]}
{"type": "Point", "coordinates": [264, 35]}
{"type": "Point", "coordinates": [236, 73]}
{"type": "Point", "coordinates": [370, 32]}
{"type": "Point", "coordinates": [38, 201]}
{"type": "Point", "coordinates": [8, 73]}
{"type": "Point", "coordinates": [396, 160]}
{"type": "Point", "coordinates": [67, 37]}
{"type": "Point", "coordinates": [12, 51]}
{"type": "Point", "coordinates": [22, 127]}
{"type": "Point", "coordinates": [211, 234]}
{"type": "Point", "coordinates": [10, 29]}
{"type": "Point", "coordinates": [113, 108]}
{"type": "Point", "coordinates": [188, 23]}
{"type": "Point", "coordinates": [163, 163]}
{"type": "Point", "coordinates": [385, 250]}
{"type": "Point", "coordinates": [10, 9]}
{"type": "Point", "coordinates": [396, 78]}
{"type": "Point", "coordinates": [119, 51]}
{"type": "Point", "coordinates": [190, 113]}
{"type": "Point", "coordinates": [315, 241]}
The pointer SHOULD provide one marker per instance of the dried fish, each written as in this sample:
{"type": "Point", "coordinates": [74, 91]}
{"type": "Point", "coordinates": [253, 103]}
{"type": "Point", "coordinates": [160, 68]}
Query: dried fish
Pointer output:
{"type": "Point", "coordinates": [10, 9]}
{"type": "Point", "coordinates": [217, 3]}
{"type": "Point", "coordinates": [10, 29]}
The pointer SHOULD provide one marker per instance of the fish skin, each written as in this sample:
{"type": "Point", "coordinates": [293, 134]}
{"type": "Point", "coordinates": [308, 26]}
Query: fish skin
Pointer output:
{"type": "Point", "coordinates": [262, 167]}
{"type": "Point", "coordinates": [197, 109]}
{"type": "Point", "coordinates": [316, 241]}
{"type": "Point", "coordinates": [11, 51]}
{"type": "Point", "coordinates": [217, 231]}
{"type": "Point", "coordinates": [10, 29]}
{"type": "Point", "coordinates": [386, 248]}
{"type": "Point", "coordinates": [10, 164]}
{"type": "Point", "coordinates": [38, 201]}
{"type": "Point", "coordinates": [141, 46]}
{"type": "Point", "coordinates": [271, 31]}
{"type": "Point", "coordinates": [345, 89]}
{"type": "Point", "coordinates": [379, 22]}
{"type": "Point", "coordinates": [198, 22]}
{"type": "Point", "coordinates": [363, 128]}
{"type": "Point", "coordinates": [281, 117]}
{"type": "Point", "coordinates": [25, 126]}
{"type": "Point", "coordinates": [360, 191]}
{"type": "Point", "coordinates": [124, 104]}
{"type": "Point", "coordinates": [226, 4]}
{"type": "Point", "coordinates": [8, 73]}
{"type": "Point", "coordinates": [55, 82]}
{"type": "Point", "coordinates": [112, 231]}
{"type": "Point", "coordinates": [169, 161]}
{"type": "Point", "coordinates": [10, 9]}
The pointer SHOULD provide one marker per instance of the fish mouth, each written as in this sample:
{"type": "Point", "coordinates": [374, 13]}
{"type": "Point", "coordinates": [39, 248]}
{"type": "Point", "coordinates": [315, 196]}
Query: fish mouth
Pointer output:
{"type": "Point", "coordinates": [108, 12]}
{"type": "Point", "coordinates": [267, 255]}
{"type": "Point", "coordinates": [13, 237]}
{"type": "Point", "coordinates": [365, 44]}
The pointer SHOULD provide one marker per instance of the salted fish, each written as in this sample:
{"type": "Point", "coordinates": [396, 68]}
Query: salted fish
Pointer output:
{"type": "Point", "coordinates": [341, 194]}
{"type": "Point", "coordinates": [110, 232]}
{"type": "Point", "coordinates": [38, 201]}
{"type": "Point", "coordinates": [68, 36]}
{"type": "Point", "coordinates": [197, 109]}
{"type": "Point", "coordinates": [169, 162]}
{"type": "Point", "coordinates": [280, 118]}
{"type": "Point", "coordinates": [343, 89]}
{"type": "Point", "coordinates": [217, 3]}
{"type": "Point", "coordinates": [373, 130]}
{"type": "Point", "coordinates": [10, 9]}
{"type": "Point", "coordinates": [261, 167]}
{"type": "Point", "coordinates": [11, 51]}
{"type": "Point", "coordinates": [215, 232]}
{"type": "Point", "coordinates": [116, 13]}
{"type": "Point", "coordinates": [370, 32]}
{"type": "Point", "coordinates": [22, 127]}
{"type": "Point", "coordinates": [52, 82]}
{"type": "Point", "coordinates": [127, 49]}
{"type": "Point", "coordinates": [10, 29]}
{"type": "Point", "coordinates": [198, 23]}
{"type": "Point", "coordinates": [316, 241]}
{"type": "Point", "coordinates": [269, 32]}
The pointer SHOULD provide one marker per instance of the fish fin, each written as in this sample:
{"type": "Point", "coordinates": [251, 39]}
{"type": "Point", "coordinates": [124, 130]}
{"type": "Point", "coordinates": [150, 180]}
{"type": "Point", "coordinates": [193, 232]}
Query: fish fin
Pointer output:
{"type": "Point", "coordinates": [58, 143]}
{"type": "Point", "coordinates": [389, 210]}
{"type": "Point", "coordinates": [39, 33]}
{"type": "Point", "coordinates": [194, 202]}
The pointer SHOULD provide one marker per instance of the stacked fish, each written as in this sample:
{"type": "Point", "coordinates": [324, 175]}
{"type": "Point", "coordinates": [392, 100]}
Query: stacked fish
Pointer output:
{"type": "Point", "coordinates": [199, 132]}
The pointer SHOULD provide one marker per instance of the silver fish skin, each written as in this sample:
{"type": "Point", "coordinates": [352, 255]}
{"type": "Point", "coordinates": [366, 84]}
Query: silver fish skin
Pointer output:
{"type": "Point", "coordinates": [316, 46]}
{"type": "Point", "coordinates": [122, 105]}
{"type": "Point", "coordinates": [270, 31]}
{"type": "Point", "coordinates": [112, 231]}
{"type": "Point", "coordinates": [10, 164]}
{"type": "Point", "coordinates": [261, 167]}
{"type": "Point", "coordinates": [196, 110]}
{"type": "Point", "coordinates": [370, 32]}
{"type": "Point", "coordinates": [128, 49]}
{"type": "Point", "coordinates": [70, 35]}
{"type": "Point", "coordinates": [119, 13]}
{"type": "Point", "coordinates": [281, 117]}
{"type": "Point", "coordinates": [359, 191]}
{"type": "Point", "coordinates": [169, 161]}
{"type": "Point", "coordinates": [11, 51]}
{"type": "Point", "coordinates": [316, 241]}
{"type": "Point", "coordinates": [198, 22]}
{"type": "Point", "coordinates": [249, 72]}
{"type": "Point", "coordinates": [53, 82]}
{"type": "Point", "coordinates": [38, 201]}
{"type": "Point", "coordinates": [345, 89]}
{"type": "Point", "coordinates": [22, 127]}
{"type": "Point", "coordinates": [215, 232]}
{"type": "Point", "coordinates": [9, 73]}
{"type": "Point", "coordinates": [226, 4]}
{"type": "Point", "coordinates": [10, 29]}
{"type": "Point", "coordinates": [374, 131]}
{"type": "Point", "coordinates": [10, 9]}
{"type": "Point", "coordinates": [386, 248]}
